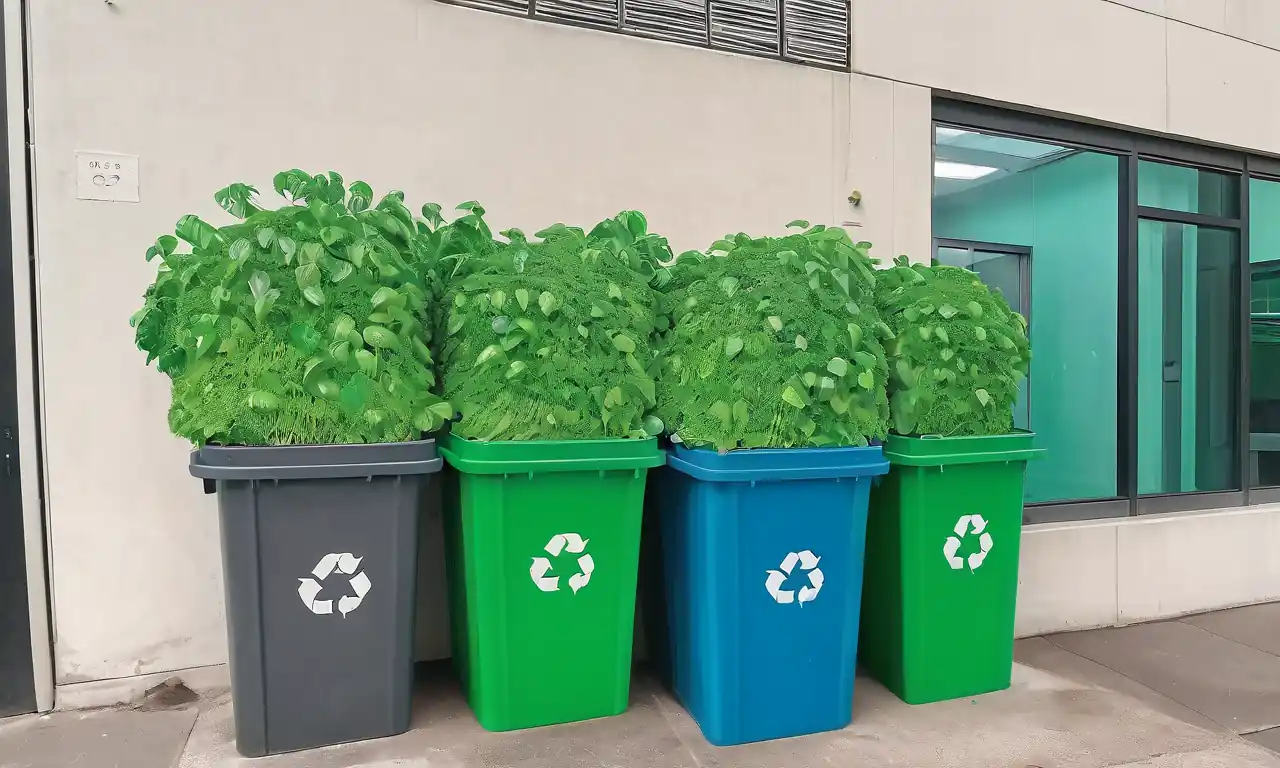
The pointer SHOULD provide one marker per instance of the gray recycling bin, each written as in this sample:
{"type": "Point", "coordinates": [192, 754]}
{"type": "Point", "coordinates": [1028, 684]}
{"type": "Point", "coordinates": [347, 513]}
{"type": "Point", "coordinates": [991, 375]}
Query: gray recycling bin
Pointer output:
{"type": "Point", "coordinates": [319, 550]}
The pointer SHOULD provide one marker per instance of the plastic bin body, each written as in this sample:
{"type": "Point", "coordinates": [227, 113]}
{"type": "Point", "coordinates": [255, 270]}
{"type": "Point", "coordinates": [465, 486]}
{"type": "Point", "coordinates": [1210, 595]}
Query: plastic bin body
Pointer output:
{"type": "Point", "coordinates": [312, 668]}
{"type": "Point", "coordinates": [749, 653]}
{"type": "Point", "coordinates": [937, 618]}
{"type": "Point", "coordinates": [536, 643]}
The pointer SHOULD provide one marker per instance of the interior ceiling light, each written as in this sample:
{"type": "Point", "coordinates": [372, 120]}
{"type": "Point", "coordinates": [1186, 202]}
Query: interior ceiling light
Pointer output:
{"type": "Point", "coordinates": [949, 133]}
{"type": "Point", "coordinates": [945, 169]}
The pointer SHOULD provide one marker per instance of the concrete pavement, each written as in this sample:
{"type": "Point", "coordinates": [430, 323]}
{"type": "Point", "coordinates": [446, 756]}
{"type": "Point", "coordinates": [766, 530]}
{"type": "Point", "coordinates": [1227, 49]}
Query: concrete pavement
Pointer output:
{"type": "Point", "coordinates": [1201, 692]}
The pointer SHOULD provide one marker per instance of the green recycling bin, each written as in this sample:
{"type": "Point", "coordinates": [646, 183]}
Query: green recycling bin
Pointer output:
{"type": "Point", "coordinates": [940, 583]}
{"type": "Point", "coordinates": [543, 552]}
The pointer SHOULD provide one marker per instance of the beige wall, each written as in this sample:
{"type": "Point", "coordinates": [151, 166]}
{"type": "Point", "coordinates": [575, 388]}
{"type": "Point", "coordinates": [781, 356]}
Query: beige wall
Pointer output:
{"type": "Point", "coordinates": [541, 123]}
{"type": "Point", "coordinates": [1097, 59]}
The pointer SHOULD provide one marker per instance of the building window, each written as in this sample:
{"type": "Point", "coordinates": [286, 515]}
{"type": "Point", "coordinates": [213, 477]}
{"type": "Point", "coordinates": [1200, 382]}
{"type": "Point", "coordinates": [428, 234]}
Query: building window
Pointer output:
{"type": "Point", "coordinates": [812, 32]}
{"type": "Point", "coordinates": [1054, 209]}
{"type": "Point", "coordinates": [1264, 333]}
{"type": "Point", "coordinates": [1144, 314]}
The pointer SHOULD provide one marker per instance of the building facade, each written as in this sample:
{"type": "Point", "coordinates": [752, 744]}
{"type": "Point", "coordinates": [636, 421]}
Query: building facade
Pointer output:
{"type": "Point", "coordinates": [1111, 165]}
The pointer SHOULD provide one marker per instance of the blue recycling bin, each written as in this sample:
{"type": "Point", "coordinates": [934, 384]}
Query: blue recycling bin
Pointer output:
{"type": "Point", "coordinates": [762, 555]}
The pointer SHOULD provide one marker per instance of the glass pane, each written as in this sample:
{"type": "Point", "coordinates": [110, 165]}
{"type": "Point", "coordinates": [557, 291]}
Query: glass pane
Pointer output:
{"type": "Point", "coordinates": [1063, 204]}
{"type": "Point", "coordinates": [1264, 312]}
{"type": "Point", "coordinates": [1187, 357]}
{"type": "Point", "coordinates": [1191, 190]}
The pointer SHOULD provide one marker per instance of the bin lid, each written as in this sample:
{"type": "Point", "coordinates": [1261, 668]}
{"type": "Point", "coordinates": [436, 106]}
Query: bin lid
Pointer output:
{"type": "Point", "coordinates": [772, 464]}
{"type": "Point", "coordinates": [937, 451]}
{"type": "Point", "coordinates": [509, 457]}
{"type": "Point", "coordinates": [310, 462]}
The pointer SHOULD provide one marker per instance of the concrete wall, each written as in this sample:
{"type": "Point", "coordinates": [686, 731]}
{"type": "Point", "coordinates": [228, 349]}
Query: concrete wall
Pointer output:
{"type": "Point", "coordinates": [1140, 63]}
{"type": "Point", "coordinates": [542, 123]}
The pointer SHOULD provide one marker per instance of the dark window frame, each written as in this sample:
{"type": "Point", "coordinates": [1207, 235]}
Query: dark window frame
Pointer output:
{"type": "Point", "coordinates": [1131, 147]}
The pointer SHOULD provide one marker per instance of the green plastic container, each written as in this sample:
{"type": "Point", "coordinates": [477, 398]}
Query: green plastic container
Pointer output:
{"type": "Point", "coordinates": [941, 579]}
{"type": "Point", "coordinates": [544, 545]}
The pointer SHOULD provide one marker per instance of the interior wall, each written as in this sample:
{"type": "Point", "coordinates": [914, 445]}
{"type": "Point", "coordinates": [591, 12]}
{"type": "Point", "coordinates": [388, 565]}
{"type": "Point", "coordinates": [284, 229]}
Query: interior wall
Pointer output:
{"type": "Point", "coordinates": [540, 122]}
{"type": "Point", "coordinates": [1067, 213]}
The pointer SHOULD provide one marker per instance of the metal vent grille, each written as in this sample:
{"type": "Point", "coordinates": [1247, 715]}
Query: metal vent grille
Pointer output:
{"type": "Point", "coordinates": [591, 13]}
{"type": "Point", "coordinates": [682, 21]}
{"type": "Point", "coordinates": [817, 31]}
{"type": "Point", "coordinates": [813, 32]}
{"type": "Point", "coordinates": [746, 26]}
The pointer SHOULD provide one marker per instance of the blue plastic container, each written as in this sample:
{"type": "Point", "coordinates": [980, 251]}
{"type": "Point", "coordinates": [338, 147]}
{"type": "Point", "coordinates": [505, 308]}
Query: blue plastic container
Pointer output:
{"type": "Point", "coordinates": [762, 556]}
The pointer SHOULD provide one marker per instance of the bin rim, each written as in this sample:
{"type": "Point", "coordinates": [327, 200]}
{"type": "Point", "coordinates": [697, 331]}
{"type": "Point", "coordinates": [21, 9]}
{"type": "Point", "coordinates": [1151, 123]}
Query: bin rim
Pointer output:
{"type": "Point", "coordinates": [749, 465]}
{"type": "Point", "coordinates": [511, 457]}
{"type": "Point", "coordinates": [315, 462]}
{"type": "Point", "coordinates": [937, 450]}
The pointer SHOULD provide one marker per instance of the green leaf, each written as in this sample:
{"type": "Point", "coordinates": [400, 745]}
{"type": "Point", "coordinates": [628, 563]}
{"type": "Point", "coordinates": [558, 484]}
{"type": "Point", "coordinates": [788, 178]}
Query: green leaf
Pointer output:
{"type": "Point", "coordinates": [263, 401]}
{"type": "Point", "coordinates": [947, 311]}
{"type": "Point", "coordinates": [266, 236]}
{"type": "Point", "coordinates": [866, 380]}
{"type": "Point", "coordinates": [547, 303]}
{"type": "Point", "coordinates": [798, 224]}
{"type": "Point", "coordinates": [740, 413]}
{"type": "Point", "coordinates": [304, 338]}
{"type": "Point", "coordinates": [582, 331]}
{"type": "Point", "coordinates": [310, 253]}
{"type": "Point", "coordinates": [240, 250]}
{"type": "Point", "coordinates": [354, 395]}
{"type": "Point", "coordinates": [624, 343]}
{"type": "Point", "coordinates": [975, 309]}
{"type": "Point", "coordinates": [838, 366]}
{"type": "Point", "coordinates": [653, 425]}
{"type": "Point", "coordinates": [516, 368]}
{"type": "Point", "coordinates": [802, 343]}
{"type": "Point", "coordinates": [341, 270]}
{"type": "Point", "coordinates": [368, 362]}
{"type": "Point", "coordinates": [522, 298]}
{"type": "Point", "coordinates": [498, 298]}
{"type": "Point", "coordinates": [721, 410]}
{"type": "Point", "coordinates": [385, 296]}
{"type": "Point", "coordinates": [308, 275]}
{"type": "Point", "coordinates": [732, 346]}
{"type": "Point", "coordinates": [314, 295]}
{"type": "Point", "coordinates": [259, 283]}
{"type": "Point", "coordinates": [380, 338]}
{"type": "Point", "coordinates": [980, 333]}
{"type": "Point", "coordinates": [486, 354]}
{"type": "Point", "coordinates": [775, 322]}
{"type": "Point", "coordinates": [983, 396]}
{"type": "Point", "coordinates": [791, 397]}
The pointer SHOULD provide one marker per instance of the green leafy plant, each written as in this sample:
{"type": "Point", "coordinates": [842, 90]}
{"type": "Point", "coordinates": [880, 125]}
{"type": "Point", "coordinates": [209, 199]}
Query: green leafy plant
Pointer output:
{"type": "Point", "coordinates": [300, 325]}
{"type": "Point", "coordinates": [958, 351]}
{"type": "Point", "coordinates": [552, 338]}
{"type": "Point", "coordinates": [775, 342]}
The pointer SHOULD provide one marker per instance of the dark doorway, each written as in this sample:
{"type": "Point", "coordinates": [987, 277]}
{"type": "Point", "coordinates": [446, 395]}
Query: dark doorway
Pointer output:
{"type": "Point", "coordinates": [17, 679]}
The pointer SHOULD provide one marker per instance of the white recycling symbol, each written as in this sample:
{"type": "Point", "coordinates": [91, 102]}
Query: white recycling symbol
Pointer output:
{"type": "Point", "coordinates": [962, 529]}
{"type": "Point", "coordinates": [346, 564]}
{"type": "Point", "coordinates": [809, 563]}
{"type": "Point", "coordinates": [563, 542]}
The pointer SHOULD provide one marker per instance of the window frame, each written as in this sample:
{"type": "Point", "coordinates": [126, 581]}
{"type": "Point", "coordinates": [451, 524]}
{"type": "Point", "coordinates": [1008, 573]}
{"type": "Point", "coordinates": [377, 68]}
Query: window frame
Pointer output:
{"type": "Point", "coordinates": [1131, 147]}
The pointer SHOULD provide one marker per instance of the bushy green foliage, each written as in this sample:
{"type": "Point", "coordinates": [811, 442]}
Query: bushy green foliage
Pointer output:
{"type": "Point", "coordinates": [958, 352]}
{"type": "Point", "coordinates": [552, 338]}
{"type": "Point", "coordinates": [776, 342]}
{"type": "Point", "coordinates": [302, 325]}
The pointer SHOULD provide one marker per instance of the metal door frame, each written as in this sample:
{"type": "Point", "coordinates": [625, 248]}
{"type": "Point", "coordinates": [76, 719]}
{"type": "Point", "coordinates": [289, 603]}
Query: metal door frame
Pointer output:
{"type": "Point", "coordinates": [17, 239]}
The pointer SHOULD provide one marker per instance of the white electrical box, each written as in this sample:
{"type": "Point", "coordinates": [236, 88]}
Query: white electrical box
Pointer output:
{"type": "Point", "coordinates": [107, 176]}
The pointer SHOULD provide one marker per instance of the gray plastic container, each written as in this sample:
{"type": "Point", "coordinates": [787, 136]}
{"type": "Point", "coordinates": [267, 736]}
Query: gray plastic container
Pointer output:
{"type": "Point", "coordinates": [319, 549]}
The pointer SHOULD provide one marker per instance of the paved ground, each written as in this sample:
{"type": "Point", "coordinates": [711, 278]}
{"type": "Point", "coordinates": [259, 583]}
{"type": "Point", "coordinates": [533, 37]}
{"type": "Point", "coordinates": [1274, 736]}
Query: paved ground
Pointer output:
{"type": "Point", "coordinates": [1202, 692]}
